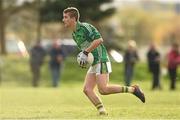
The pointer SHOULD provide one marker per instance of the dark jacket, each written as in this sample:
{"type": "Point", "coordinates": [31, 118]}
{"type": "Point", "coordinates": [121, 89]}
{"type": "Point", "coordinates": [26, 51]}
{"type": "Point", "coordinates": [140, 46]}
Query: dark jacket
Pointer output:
{"type": "Point", "coordinates": [130, 58]}
{"type": "Point", "coordinates": [37, 54]}
{"type": "Point", "coordinates": [153, 58]}
{"type": "Point", "coordinates": [54, 53]}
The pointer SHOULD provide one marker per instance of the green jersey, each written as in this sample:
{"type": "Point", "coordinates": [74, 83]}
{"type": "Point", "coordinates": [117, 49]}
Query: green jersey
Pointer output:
{"type": "Point", "coordinates": [84, 35]}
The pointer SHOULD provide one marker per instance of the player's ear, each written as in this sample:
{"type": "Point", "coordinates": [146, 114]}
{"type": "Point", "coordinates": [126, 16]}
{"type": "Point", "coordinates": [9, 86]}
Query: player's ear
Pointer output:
{"type": "Point", "coordinates": [73, 18]}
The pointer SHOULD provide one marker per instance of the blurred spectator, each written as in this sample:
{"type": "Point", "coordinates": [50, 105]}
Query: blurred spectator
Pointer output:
{"type": "Point", "coordinates": [153, 58]}
{"type": "Point", "coordinates": [130, 58]}
{"type": "Point", "coordinates": [56, 62]}
{"type": "Point", "coordinates": [37, 54]}
{"type": "Point", "coordinates": [173, 61]}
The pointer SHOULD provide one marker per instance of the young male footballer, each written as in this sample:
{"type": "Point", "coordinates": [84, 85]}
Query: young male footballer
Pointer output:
{"type": "Point", "coordinates": [88, 39]}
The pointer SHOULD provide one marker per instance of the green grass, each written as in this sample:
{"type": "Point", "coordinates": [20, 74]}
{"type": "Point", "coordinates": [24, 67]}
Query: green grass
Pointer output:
{"type": "Point", "coordinates": [18, 100]}
{"type": "Point", "coordinates": [69, 102]}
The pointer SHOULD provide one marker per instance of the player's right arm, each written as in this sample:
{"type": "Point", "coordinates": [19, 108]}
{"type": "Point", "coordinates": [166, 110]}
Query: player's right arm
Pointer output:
{"type": "Point", "coordinates": [94, 45]}
{"type": "Point", "coordinates": [93, 35]}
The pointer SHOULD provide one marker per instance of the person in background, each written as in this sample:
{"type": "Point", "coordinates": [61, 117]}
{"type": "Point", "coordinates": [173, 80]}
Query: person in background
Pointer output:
{"type": "Point", "coordinates": [37, 55]}
{"type": "Point", "coordinates": [130, 59]}
{"type": "Point", "coordinates": [56, 62]}
{"type": "Point", "coordinates": [153, 58]}
{"type": "Point", "coordinates": [173, 62]}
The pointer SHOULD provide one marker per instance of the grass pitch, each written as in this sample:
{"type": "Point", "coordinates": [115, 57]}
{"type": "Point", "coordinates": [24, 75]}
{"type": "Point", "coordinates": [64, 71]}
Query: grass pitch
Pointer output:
{"type": "Point", "coordinates": [69, 102]}
{"type": "Point", "coordinates": [18, 100]}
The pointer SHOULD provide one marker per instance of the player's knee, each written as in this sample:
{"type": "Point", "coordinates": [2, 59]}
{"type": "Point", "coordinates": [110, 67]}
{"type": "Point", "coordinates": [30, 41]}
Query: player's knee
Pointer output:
{"type": "Point", "coordinates": [87, 91]}
{"type": "Point", "coordinates": [103, 91]}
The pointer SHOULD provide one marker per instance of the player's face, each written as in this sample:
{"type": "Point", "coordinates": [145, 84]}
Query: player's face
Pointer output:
{"type": "Point", "coordinates": [67, 20]}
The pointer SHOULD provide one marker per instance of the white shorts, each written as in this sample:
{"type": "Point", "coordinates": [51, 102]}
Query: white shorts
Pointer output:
{"type": "Point", "coordinates": [100, 68]}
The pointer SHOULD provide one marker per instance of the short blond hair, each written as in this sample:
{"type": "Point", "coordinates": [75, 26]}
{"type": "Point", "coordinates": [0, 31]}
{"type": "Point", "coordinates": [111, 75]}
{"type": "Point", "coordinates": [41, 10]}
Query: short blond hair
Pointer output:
{"type": "Point", "coordinates": [73, 12]}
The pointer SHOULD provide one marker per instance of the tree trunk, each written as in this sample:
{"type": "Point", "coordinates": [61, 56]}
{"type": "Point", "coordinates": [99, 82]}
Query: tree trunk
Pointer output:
{"type": "Point", "coordinates": [2, 29]}
{"type": "Point", "coordinates": [39, 21]}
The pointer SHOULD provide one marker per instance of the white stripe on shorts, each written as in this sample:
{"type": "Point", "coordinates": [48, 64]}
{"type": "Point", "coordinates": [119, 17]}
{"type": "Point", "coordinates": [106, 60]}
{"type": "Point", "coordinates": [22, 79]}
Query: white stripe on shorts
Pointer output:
{"type": "Point", "coordinates": [97, 68]}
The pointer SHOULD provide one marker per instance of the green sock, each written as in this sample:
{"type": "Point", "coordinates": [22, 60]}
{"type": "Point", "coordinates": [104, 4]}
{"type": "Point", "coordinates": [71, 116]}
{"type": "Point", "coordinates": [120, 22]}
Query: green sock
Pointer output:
{"type": "Point", "coordinates": [126, 89]}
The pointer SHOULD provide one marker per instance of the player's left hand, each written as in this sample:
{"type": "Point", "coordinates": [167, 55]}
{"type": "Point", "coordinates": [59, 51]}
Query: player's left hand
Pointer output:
{"type": "Point", "coordinates": [83, 59]}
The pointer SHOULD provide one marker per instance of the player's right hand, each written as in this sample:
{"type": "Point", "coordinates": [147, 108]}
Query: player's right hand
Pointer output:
{"type": "Point", "coordinates": [83, 60]}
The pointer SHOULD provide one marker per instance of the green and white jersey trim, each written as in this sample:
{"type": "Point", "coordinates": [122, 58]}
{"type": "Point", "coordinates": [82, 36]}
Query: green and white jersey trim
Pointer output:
{"type": "Point", "coordinates": [87, 26]}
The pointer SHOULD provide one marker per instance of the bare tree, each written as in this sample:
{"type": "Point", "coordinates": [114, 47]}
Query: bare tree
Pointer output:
{"type": "Point", "coordinates": [7, 9]}
{"type": "Point", "coordinates": [2, 28]}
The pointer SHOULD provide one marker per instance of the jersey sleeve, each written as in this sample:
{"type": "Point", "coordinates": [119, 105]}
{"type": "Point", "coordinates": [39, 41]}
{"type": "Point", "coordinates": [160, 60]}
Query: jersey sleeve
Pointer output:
{"type": "Point", "coordinates": [91, 32]}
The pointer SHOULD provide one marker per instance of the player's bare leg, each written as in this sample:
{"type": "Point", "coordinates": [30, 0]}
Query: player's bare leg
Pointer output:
{"type": "Point", "coordinates": [105, 89]}
{"type": "Point", "coordinates": [89, 85]}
